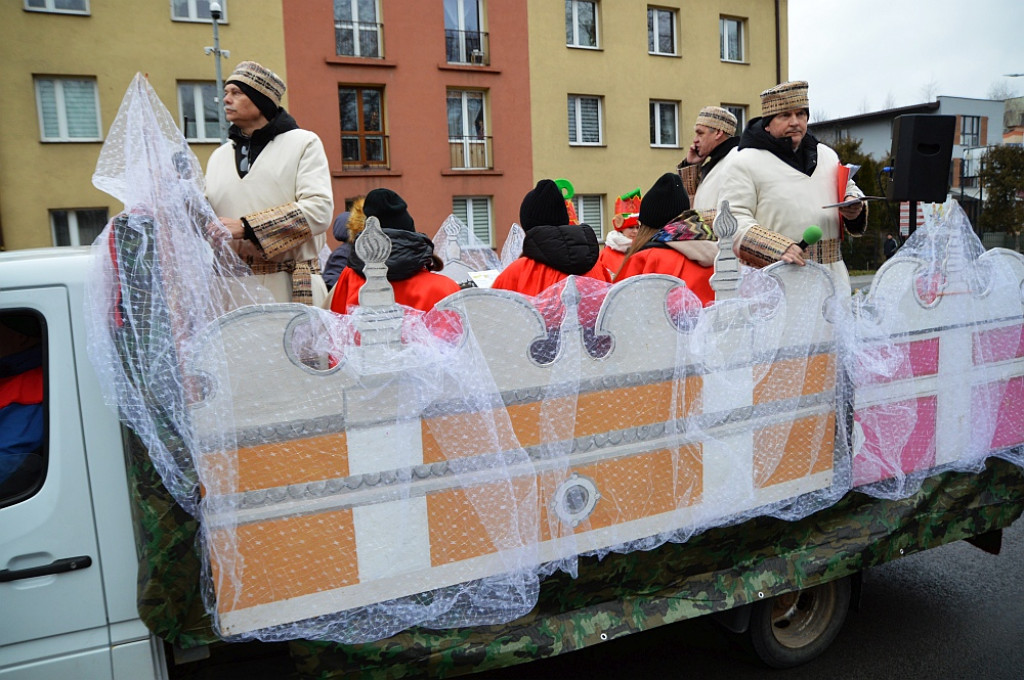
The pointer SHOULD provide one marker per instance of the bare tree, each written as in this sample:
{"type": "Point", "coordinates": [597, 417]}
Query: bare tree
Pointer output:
{"type": "Point", "coordinates": [890, 101]}
{"type": "Point", "coordinates": [1001, 90]}
{"type": "Point", "coordinates": [865, 106]}
{"type": "Point", "coordinates": [929, 90]}
{"type": "Point", "coordinates": [819, 115]}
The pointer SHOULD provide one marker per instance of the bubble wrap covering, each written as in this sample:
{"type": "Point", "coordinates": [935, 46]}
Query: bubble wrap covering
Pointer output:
{"type": "Point", "coordinates": [357, 475]}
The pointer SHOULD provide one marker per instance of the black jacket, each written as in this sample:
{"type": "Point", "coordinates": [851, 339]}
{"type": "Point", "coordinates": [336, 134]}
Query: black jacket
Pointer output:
{"type": "Point", "coordinates": [411, 251]}
{"type": "Point", "coordinates": [569, 248]}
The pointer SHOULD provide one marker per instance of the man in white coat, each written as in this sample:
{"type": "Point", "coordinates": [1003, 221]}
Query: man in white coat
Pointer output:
{"type": "Point", "coordinates": [779, 182]}
{"type": "Point", "coordinates": [713, 140]}
{"type": "Point", "coordinates": [270, 186]}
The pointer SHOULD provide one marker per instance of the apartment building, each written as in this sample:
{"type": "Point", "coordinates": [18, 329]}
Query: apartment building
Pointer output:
{"type": "Point", "coordinates": [616, 86]}
{"type": "Point", "coordinates": [68, 64]}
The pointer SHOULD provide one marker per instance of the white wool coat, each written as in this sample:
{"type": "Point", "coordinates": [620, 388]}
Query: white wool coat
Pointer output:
{"type": "Point", "coordinates": [764, 190]}
{"type": "Point", "coordinates": [291, 171]}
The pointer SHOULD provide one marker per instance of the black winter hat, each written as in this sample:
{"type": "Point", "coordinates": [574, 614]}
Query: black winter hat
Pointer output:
{"type": "Point", "coordinates": [389, 208]}
{"type": "Point", "coordinates": [543, 205]}
{"type": "Point", "coordinates": [664, 201]}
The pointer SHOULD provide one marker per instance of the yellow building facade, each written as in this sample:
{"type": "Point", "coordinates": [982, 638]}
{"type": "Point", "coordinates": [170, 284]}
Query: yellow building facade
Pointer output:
{"type": "Point", "coordinates": [646, 70]}
{"type": "Point", "coordinates": [66, 73]}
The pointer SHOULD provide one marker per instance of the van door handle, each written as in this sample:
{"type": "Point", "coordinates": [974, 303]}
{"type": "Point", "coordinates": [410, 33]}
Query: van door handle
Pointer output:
{"type": "Point", "coordinates": [56, 567]}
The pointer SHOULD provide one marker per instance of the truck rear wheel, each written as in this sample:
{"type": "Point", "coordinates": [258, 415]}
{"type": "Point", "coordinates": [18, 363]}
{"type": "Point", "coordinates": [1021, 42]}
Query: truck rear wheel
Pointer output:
{"type": "Point", "coordinates": [791, 629]}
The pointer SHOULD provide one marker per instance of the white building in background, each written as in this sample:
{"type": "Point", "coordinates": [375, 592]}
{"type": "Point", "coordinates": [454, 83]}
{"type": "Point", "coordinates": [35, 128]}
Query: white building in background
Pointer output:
{"type": "Point", "coordinates": [979, 124]}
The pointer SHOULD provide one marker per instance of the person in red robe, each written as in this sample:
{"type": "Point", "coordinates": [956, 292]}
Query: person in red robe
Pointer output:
{"type": "Point", "coordinates": [554, 249]}
{"type": "Point", "coordinates": [411, 266]}
{"type": "Point", "coordinates": [625, 222]}
{"type": "Point", "coordinates": [665, 216]}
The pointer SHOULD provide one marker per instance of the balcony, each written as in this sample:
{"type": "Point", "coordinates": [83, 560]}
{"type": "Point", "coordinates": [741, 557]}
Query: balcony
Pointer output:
{"type": "Point", "coordinates": [359, 39]}
{"type": "Point", "coordinates": [367, 151]}
{"type": "Point", "coordinates": [467, 47]}
{"type": "Point", "coordinates": [471, 153]}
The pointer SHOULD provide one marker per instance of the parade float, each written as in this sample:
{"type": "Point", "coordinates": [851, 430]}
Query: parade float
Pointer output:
{"type": "Point", "coordinates": [514, 488]}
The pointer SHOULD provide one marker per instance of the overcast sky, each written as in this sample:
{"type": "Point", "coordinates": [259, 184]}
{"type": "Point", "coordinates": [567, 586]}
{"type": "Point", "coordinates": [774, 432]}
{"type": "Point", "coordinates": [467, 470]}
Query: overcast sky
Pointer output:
{"type": "Point", "coordinates": [867, 55]}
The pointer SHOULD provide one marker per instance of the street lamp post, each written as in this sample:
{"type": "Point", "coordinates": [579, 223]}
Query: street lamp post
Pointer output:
{"type": "Point", "coordinates": [217, 52]}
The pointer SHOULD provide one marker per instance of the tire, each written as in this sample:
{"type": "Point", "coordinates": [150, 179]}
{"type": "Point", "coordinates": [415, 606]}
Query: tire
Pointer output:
{"type": "Point", "coordinates": [793, 628]}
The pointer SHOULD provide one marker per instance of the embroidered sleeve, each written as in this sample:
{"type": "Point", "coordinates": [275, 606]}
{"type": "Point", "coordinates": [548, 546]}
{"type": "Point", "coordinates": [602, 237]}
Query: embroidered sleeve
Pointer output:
{"type": "Point", "coordinates": [280, 228]}
{"type": "Point", "coordinates": [690, 174]}
{"type": "Point", "coordinates": [760, 247]}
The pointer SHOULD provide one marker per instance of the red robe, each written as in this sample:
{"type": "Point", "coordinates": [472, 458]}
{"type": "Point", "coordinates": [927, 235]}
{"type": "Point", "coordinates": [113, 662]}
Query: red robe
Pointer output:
{"type": "Point", "coordinates": [611, 260]}
{"type": "Point", "coordinates": [673, 263]}
{"type": "Point", "coordinates": [531, 278]}
{"type": "Point", "coordinates": [420, 291]}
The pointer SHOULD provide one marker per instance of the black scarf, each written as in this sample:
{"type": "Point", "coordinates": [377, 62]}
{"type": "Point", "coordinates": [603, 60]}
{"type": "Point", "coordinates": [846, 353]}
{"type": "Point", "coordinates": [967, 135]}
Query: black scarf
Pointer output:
{"type": "Point", "coordinates": [410, 253]}
{"type": "Point", "coordinates": [804, 159]}
{"type": "Point", "coordinates": [717, 154]}
{"type": "Point", "coordinates": [248, 148]}
{"type": "Point", "coordinates": [569, 248]}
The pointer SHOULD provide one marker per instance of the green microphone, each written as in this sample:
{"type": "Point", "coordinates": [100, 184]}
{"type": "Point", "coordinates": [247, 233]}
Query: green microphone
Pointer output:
{"type": "Point", "coordinates": [812, 235]}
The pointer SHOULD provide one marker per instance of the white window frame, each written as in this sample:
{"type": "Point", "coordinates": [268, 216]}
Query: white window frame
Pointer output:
{"type": "Point", "coordinates": [62, 113]}
{"type": "Point", "coordinates": [467, 56]}
{"type": "Point", "coordinates": [469, 139]}
{"type": "Point", "coordinates": [49, 7]}
{"type": "Point", "coordinates": [357, 29]}
{"type": "Point", "coordinates": [193, 13]}
{"type": "Point", "coordinates": [740, 111]}
{"type": "Point", "coordinates": [469, 204]}
{"type": "Point", "coordinates": [652, 31]}
{"type": "Point", "coordinates": [572, 8]}
{"type": "Point", "coordinates": [197, 89]}
{"type": "Point", "coordinates": [741, 27]}
{"type": "Point", "coordinates": [658, 143]}
{"type": "Point", "coordinates": [585, 205]}
{"type": "Point", "coordinates": [575, 113]}
{"type": "Point", "coordinates": [74, 233]}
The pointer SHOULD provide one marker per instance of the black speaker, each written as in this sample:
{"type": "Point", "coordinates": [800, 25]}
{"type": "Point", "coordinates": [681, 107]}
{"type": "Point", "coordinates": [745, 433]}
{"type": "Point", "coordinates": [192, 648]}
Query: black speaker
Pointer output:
{"type": "Point", "coordinates": [922, 146]}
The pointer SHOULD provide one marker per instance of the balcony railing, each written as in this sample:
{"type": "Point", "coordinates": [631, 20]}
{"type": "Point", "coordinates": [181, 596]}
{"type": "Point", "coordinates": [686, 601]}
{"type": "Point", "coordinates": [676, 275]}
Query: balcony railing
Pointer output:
{"type": "Point", "coordinates": [467, 47]}
{"type": "Point", "coordinates": [359, 39]}
{"type": "Point", "coordinates": [471, 153]}
{"type": "Point", "coordinates": [366, 151]}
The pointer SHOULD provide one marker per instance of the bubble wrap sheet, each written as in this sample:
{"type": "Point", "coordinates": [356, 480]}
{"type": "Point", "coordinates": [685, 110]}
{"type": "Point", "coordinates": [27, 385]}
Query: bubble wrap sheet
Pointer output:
{"type": "Point", "coordinates": [357, 475]}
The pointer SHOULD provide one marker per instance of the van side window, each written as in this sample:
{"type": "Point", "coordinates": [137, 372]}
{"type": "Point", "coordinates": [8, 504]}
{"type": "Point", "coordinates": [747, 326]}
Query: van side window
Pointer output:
{"type": "Point", "coordinates": [23, 413]}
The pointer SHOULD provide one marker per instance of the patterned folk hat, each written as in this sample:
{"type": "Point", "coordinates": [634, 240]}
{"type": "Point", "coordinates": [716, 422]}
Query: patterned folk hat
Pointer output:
{"type": "Point", "coordinates": [785, 97]}
{"type": "Point", "coordinates": [259, 78]}
{"type": "Point", "coordinates": [717, 118]}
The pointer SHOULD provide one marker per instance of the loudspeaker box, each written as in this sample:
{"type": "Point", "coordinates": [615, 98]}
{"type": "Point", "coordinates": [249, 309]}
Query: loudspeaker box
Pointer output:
{"type": "Point", "coordinates": [922, 146]}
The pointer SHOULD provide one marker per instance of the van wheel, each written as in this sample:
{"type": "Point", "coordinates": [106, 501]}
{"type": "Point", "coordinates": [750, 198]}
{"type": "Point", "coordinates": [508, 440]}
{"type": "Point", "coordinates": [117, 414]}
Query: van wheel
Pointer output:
{"type": "Point", "coordinates": [793, 628]}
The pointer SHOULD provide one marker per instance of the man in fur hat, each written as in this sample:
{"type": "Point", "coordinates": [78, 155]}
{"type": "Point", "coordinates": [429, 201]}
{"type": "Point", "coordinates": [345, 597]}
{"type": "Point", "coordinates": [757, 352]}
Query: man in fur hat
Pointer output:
{"type": "Point", "coordinates": [778, 183]}
{"type": "Point", "coordinates": [270, 186]}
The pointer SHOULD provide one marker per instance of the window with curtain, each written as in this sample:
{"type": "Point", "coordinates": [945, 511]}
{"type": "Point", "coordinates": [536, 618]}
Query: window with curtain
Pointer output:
{"type": "Point", "coordinates": [467, 129]}
{"type": "Point", "coordinates": [357, 31]}
{"type": "Point", "coordinates": [740, 111]}
{"type": "Point", "coordinates": [69, 109]}
{"type": "Point", "coordinates": [585, 120]}
{"type": "Point", "coordinates": [463, 26]}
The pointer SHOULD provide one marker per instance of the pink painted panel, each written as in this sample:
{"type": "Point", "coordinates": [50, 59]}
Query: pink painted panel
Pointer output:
{"type": "Point", "coordinates": [999, 344]}
{"type": "Point", "coordinates": [919, 357]}
{"type": "Point", "coordinates": [1008, 398]}
{"type": "Point", "coordinates": [897, 437]}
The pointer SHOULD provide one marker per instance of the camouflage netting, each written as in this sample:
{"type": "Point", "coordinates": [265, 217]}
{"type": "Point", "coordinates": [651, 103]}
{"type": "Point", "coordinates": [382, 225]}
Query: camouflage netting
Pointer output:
{"type": "Point", "coordinates": [354, 476]}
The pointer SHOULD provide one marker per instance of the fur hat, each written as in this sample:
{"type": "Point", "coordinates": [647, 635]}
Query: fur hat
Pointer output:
{"type": "Point", "coordinates": [717, 118]}
{"type": "Point", "coordinates": [543, 205]}
{"type": "Point", "coordinates": [389, 208]}
{"type": "Point", "coordinates": [664, 201]}
{"type": "Point", "coordinates": [785, 97]}
{"type": "Point", "coordinates": [259, 84]}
